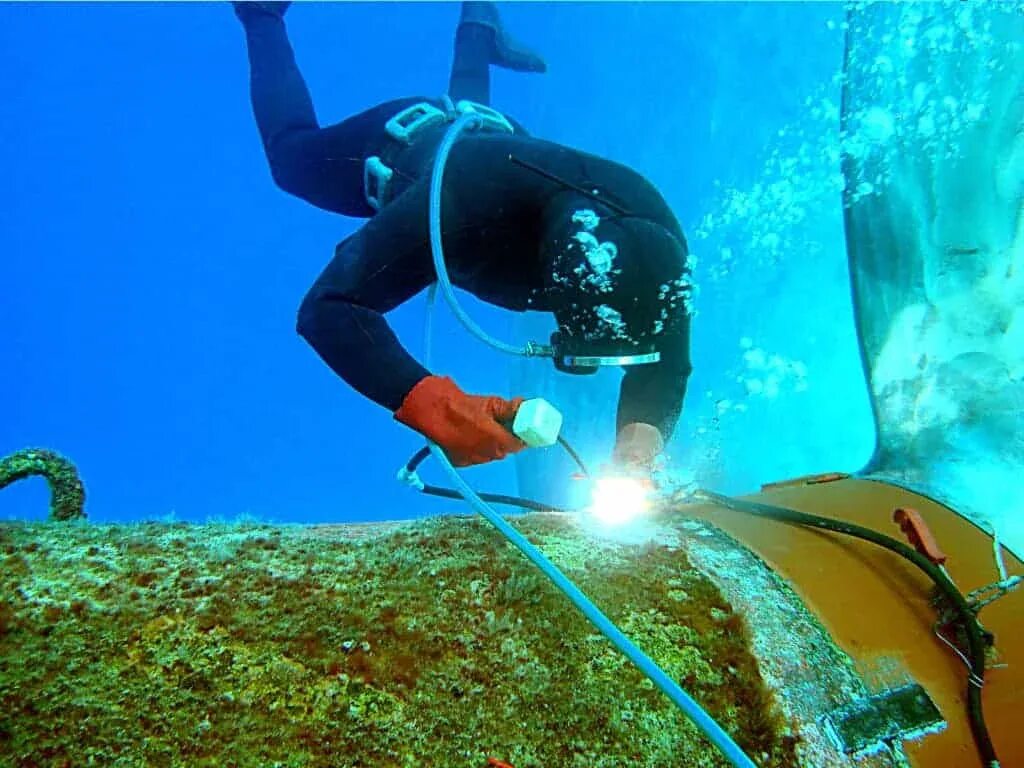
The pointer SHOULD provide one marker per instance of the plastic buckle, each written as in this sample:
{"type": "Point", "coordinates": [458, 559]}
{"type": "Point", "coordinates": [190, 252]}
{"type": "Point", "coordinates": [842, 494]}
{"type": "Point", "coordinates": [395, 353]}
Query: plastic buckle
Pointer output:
{"type": "Point", "coordinates": [403, 126]}
{"type": "Point", "coordinates": [491, 118]}
{"type": "Point", "coordinates": [376, 177]}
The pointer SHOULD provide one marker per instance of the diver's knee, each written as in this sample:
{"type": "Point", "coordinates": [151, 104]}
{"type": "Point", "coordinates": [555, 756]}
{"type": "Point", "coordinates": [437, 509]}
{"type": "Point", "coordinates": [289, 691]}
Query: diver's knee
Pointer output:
{"type": "Point", "coordinates": [284, 175]}
{"type": "Point", "coordinates": [309, 317]}
{"type": "Point", "coordinates": [288, 161]}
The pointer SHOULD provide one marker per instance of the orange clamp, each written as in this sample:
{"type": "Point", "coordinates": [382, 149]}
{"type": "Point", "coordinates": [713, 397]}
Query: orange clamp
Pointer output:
{"type": "Point", "coordinates": [496, 763]}
{"type": "Point", "coordinates": [916, 530]}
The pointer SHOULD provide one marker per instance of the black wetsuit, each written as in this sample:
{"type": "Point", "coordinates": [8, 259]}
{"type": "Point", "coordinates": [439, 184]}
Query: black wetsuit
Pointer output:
{"type": "Point", "coordinates": [492, 212]}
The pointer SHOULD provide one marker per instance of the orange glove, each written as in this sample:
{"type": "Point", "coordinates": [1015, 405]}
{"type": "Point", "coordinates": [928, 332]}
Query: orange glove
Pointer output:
{"type": "Point", "coordinates": [467, 427]}
{"type": "Point", "coordinates": [636, 448]}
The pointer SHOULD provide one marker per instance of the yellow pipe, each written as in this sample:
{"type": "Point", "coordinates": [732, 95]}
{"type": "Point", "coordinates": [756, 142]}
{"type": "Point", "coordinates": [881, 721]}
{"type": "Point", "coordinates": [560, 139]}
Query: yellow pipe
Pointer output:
{"type": "Point", "coordinates": [877, 606]}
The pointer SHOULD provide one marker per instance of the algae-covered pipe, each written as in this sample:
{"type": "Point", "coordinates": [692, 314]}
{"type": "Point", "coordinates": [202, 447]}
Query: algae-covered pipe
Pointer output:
{"type": "Point", "coordinates": [606, 626]}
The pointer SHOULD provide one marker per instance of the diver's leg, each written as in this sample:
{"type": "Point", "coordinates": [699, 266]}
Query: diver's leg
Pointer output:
{"type": "Point", "coordinates": [481, 40]}
{"type": "Point", "coordinates": [280, 98]}
{"type": "Point", "coordinates": [323, 166]}
{"type": "Point", "coordinates": [471, 66]}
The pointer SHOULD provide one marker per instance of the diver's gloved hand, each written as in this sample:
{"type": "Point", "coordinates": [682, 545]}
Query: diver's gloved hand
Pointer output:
{"type": "Point", "coordinates": [507, 52]}
{"type": "Point", "coordinates": [637, 446]}
{"type": "Point", "coordinates": [248, 10]}
{"type": "Point", "coordinates": [467, 427]}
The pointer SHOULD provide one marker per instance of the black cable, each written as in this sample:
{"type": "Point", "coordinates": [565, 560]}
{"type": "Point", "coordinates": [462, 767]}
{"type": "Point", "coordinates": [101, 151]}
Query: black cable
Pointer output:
{"type": "Point", "coordinates": [420, 455]}
{"type": "Point", "coordinates": [495, 498]}
{"type": "Point", "coordinates": [450, 493]}
{"type": "Point", "coordinates": [417, 459]}
{"type": "Point", "coordinates": [977, 638]}
{"type": "Point", "coordinates": [575, 456]}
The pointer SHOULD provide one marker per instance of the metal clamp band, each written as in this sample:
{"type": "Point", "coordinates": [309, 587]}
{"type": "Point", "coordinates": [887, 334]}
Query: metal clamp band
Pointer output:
{"type": "Point", "coordinates": [588, 361]}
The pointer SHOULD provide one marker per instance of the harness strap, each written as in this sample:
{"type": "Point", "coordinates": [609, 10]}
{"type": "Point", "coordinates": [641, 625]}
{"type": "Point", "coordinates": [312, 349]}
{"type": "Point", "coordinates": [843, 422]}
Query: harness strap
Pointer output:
{"type": "Point", "coordinates": [408, 124]}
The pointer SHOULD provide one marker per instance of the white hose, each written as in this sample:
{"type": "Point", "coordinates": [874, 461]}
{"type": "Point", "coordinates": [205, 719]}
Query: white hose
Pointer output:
{"type": "Point", "coordinates": [436, 179]}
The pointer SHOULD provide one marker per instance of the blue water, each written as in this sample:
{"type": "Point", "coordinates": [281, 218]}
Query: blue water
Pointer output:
{"type": "Point", "coordinates": [152, 271]}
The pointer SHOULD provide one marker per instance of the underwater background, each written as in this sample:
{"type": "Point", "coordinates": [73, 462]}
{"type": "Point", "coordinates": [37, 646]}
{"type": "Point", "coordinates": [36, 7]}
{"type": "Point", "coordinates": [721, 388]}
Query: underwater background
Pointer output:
{"type": "Point", "coordinates": [851, 181]}
{"type": "Point", "coordinates": [152, 271]}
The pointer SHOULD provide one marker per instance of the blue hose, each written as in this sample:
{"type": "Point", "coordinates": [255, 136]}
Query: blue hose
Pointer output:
{"type": "Point", "coordinates": [607, 627]}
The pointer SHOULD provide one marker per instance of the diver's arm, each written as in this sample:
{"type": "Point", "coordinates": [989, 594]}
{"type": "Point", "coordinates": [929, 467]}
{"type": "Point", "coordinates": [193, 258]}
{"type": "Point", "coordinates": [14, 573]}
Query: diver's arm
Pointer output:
{"type": "Point", "coordinates": [653, 394]}
{"type": "Point", "coordinates": [357, 343]}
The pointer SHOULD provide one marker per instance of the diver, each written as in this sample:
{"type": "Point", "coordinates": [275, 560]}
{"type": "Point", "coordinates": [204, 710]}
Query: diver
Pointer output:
{"type": "Point", "coordinates": [527, 224]}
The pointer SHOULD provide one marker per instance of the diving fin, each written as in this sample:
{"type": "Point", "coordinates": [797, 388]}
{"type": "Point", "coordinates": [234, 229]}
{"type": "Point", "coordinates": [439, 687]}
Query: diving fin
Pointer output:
{"type": "Point", "coordinates": [507, 52]}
